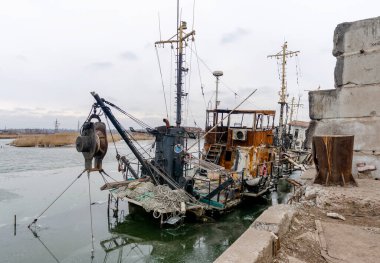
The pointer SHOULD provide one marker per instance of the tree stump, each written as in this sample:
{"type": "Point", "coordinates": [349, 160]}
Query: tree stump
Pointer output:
{"type": "Point", "coordinates": [332, 156]}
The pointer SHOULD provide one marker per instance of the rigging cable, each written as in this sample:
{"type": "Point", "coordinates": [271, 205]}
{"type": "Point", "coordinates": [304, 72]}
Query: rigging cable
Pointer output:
{"type": "Point", "coordinates": [136, 120]}
{"type": "Point", "coordinates": [159, 24]}
{"type": "Point", "coordinates": [113, 140]}
{"type": "Point", "coordinates": [92, 229]}
{"type": "Point", "coordinates": [171, 81]}
{"type": "Point", "coordinates": [104, 172]}
{"type": "Point", "coordinates": [200, 76]}
{"type": "Point", "coordinates": [190, 71]}
{"type": "Point", "coordinates": [189, 82]}
{"type": "Point", "coordinates": [221, 81]}
{"type": "Point", "coordinates": [35, 220]}
{"type": "Point", "coordinates": [162, 82]}
{"type": "Point", "coordinates": [139, 122]}
{"type": "Point", "coordinates": [209, 69]}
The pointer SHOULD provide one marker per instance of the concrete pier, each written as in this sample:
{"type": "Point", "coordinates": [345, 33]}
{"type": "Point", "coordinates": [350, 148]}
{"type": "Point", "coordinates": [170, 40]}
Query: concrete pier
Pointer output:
{"type": "Point", "coordinates": [260, 242]}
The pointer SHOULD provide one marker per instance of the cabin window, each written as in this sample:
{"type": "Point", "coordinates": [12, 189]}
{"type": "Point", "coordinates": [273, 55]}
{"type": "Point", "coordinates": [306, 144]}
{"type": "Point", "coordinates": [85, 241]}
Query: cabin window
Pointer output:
{"type": "Point", "coordinates": [228, 156]}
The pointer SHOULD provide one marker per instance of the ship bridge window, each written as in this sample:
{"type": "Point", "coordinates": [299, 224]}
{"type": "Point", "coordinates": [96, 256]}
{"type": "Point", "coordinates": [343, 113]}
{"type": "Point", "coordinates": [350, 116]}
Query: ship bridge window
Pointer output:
{"type": "Point", "coordinates": [241, 120]}
{"type": "Point", "coordinates": [264, 121]}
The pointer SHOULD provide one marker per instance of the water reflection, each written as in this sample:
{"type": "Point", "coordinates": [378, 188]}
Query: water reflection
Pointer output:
{"type": "Point", "coordinates": [190, 242]}
{"type": "Point", "coordinates": [119, 248]}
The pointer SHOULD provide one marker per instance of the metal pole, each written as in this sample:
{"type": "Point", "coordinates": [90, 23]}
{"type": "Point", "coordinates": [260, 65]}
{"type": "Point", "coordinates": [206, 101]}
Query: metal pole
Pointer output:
{"type": "Point", "coordinates": [15, 226]}
{"type": "Point", "coordinates": [216, 94]}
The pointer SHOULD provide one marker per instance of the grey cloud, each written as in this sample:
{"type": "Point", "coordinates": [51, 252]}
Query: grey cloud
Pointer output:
{"type": "Point", "coordinates": [234, 35]}
{"type": "Point", "coordinates": [128, 55]}
{"type": "Point", "coordinates": [22, 58]}
{"type": "Point", "coordinates": [100, 65]}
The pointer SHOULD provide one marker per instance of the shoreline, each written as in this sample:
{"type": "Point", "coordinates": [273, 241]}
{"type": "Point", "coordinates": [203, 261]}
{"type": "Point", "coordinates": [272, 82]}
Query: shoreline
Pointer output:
{"type": "Point", "coordinates": [66, 139]}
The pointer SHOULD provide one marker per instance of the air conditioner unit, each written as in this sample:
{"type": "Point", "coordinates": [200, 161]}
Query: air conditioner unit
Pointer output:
{"type": "Point", "coordinates": [239, 134]}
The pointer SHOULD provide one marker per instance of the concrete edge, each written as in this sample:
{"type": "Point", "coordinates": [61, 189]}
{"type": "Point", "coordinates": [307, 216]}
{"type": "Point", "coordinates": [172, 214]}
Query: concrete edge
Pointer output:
{"type": "Point", "coordinates": [261, 241]}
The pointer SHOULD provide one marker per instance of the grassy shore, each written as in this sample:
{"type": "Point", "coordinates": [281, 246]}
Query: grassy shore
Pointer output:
{"type": "Point", "coordinates": [8, 136]}
{"type": "Point", "coordinates": [62, 139]}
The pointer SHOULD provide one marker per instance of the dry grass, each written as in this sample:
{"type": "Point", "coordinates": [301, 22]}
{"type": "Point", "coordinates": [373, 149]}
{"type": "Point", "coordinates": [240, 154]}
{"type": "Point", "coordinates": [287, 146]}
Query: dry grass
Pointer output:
{"type": "Point", "coordinates": [64, 139]}
{"type": "Point", "coordinates": [8, 136]}
{"type": "Point", "coordinates": [142, 136]}
{"type": "Point", "coordinates": [45, 140]}
{"type": "Point", "coordinates": [51, 140]}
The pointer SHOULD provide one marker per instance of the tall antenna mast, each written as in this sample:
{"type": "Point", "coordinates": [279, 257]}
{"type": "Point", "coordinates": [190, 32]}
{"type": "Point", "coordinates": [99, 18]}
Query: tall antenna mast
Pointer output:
{"type": "Point", "coordinates": [291, 112]}
{"type": "Point", "coordinates": [298, 105]}
{"type": "Point", "coordinates": [181, 37]}
{"type": "Point", "coordinates": [283, 55]}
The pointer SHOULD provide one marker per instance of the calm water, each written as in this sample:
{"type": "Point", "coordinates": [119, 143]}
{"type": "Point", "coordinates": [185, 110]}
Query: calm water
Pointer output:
{"type": "Point", "coordinates": [31, 178]}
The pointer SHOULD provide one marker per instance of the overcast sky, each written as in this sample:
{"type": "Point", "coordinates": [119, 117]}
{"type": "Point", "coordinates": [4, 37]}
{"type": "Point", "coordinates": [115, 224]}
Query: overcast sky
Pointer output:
{"type": "Point", "coordinates": [53, 53]}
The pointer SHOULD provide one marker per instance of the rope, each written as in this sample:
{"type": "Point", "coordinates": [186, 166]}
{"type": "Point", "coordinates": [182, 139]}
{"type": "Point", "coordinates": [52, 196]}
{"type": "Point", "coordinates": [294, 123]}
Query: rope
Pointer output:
{"type": "Point", "coordinates": [92, 229]}
{"type": "Point", "coordinates": [162, 82]}
{"type": "Point", "coordinates": [35, 220]}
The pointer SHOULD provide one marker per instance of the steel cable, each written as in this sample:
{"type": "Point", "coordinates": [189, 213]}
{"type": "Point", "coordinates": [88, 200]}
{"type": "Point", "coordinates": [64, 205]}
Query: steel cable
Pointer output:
{"type": "Point", "coordinates": [35, 220]}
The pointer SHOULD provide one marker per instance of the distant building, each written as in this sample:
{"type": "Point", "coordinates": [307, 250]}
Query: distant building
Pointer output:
{"type": "Point", "coordinates": [298, 131]}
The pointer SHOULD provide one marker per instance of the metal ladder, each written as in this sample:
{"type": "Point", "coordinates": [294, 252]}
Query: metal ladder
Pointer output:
{"type": "Point", "coordinates": [214, 153]}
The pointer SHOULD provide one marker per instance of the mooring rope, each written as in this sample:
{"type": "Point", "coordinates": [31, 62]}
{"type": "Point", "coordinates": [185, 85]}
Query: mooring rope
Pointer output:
{"type": "Point", "coordinates": [35, 220]}
{"type": "Point", "coordinates": [92, 229]}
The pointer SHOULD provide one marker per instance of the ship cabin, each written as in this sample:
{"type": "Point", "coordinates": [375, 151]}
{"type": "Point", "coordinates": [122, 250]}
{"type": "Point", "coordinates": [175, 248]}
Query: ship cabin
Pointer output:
{"type": "Point", "coordinates": [242, 139]}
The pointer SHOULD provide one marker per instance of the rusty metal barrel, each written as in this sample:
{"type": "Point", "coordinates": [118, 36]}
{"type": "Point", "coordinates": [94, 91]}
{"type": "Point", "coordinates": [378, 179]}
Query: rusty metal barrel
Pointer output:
{"type": "Point", "coordinates": [333, 159]}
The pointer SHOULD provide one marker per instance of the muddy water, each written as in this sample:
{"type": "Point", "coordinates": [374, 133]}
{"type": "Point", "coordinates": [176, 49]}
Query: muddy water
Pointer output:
{"type": "Point", "coordinates": [31, 178]}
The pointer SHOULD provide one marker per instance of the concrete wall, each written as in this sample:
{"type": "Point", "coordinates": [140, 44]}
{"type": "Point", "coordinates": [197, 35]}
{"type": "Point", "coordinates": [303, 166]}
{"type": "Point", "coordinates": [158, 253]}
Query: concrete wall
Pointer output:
{"type": "Point", "coordinates": [355, 36]}
{"type": "Point", "coordinates": [357, 49]}
{"type": "Point", "coordinates": [353, 107]}
{"type": "Point", "coordinates": [353, 102]}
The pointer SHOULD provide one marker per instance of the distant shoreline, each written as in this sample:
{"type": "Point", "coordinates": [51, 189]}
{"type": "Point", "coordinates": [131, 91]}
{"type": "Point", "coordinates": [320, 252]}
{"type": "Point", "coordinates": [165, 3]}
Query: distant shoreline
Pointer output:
{"type": "Point", "coordinates": [8, 136]}
{"type": "Point", "coordinates": [58, 139]}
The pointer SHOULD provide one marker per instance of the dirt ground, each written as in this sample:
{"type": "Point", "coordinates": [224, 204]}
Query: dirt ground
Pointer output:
{"type": "Point", "coordinates": [360, 206]}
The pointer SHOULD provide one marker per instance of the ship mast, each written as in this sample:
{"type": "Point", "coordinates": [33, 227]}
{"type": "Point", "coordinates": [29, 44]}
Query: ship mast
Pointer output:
{"type": "Point", "coordinates": [283, 55]}
{"type": "Point", "coordinates": [181, 37]}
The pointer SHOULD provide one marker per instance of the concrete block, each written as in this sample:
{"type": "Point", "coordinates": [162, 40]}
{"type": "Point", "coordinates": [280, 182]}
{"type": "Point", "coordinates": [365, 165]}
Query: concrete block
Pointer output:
{"type": "Point", "coordinates": [365, 130]}
{"type": "Point", "coordinates": [356, 36]}
{"type": "Point", "coordinates": [360, 69]}
{"type": "Point", "coordinates": [276, 219]}
{"type": "Point", "coordinates": [350, 102]}
{"type": "Point", "coordinates": [368, 158]}
{"type": "Point", "coordinates": [252, 246]}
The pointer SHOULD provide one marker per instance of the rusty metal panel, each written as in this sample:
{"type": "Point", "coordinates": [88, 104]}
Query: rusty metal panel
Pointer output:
{"type": "Point", "coordinates": [333, 159]}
